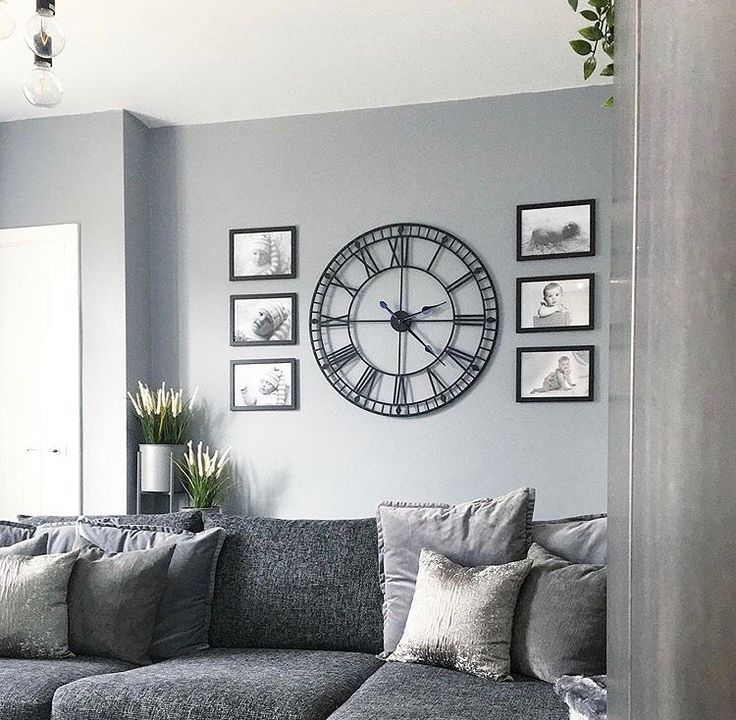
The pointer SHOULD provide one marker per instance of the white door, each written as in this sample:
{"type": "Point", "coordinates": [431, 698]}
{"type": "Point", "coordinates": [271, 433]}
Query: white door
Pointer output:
{"type": "Point", "coordinates": [40, 388]}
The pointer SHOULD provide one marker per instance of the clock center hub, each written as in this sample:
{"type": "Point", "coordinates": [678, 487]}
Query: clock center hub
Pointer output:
{"type": "Point", "coordinates": [401, 321]}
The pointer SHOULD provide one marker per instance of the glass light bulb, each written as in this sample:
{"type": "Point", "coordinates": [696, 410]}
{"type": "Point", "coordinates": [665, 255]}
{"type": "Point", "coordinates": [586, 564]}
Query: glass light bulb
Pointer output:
{"type": "Point", "coordinates": [42, 88]}
{"type": "Point", "coordinates": [44, 35]}
{"type": "Point", "coordinates": [7, 20]}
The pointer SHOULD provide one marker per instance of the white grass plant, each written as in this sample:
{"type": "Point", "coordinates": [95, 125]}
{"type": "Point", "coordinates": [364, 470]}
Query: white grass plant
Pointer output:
{"type": "Point", "coordinates": [205, 475]}
{"type": "Point", "coordinates": [163, 414]}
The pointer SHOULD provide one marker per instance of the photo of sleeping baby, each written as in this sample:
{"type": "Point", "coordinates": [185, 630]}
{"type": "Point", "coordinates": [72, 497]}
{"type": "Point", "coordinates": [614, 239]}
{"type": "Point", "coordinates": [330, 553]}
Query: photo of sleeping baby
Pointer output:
{"type": "Point", "coordinates": [262, 253]}
{"type": "Point", "coordinates": [560, 230]}
{"type": "Point", "coordinates": [266, 319]}
{"type": "Point", "coordinates": [560, 302]}
{"type": "Point", "coordinates": [554, 374]}
{"type": "Point", "coordinates": [263, 384]}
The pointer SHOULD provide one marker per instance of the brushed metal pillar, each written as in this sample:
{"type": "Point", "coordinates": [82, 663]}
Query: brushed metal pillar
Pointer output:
{"type": "Point", "coordinates": [672, 459]}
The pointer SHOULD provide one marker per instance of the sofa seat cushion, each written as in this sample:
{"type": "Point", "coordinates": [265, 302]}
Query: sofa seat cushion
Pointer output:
{"type": "Point", "coordinates": [220, 684]}
{"type": "Point", "coordinates": [28, 686]}
{"type": "Point", "coordinates": [421, 692]}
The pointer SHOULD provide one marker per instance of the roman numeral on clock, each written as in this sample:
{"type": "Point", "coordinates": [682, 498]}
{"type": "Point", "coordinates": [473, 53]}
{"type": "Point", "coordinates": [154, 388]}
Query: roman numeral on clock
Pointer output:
{"type": "Point", "coordinates": [400, 390]}
{"type": "Point", "coordinates": [470, 320]}
{"type": "Point", "coordinates": [462, 359]}
{"type": "Point", "coordinates": [437, 383]}
{"type": "Point", "coordinates": [399, 251]}
{"type": "Point", "coordinates": [367, 381]}
{"type": "Point", "coordinates": [366, 257]}
{"type": "Point", "coordinates": [342, 356]}
{"type": "Point", "coordinates": [329, 321]}
{"type": "Point", "coordinates": [350, 290]}
{"type": "Point", "coordinates": [459, 282]}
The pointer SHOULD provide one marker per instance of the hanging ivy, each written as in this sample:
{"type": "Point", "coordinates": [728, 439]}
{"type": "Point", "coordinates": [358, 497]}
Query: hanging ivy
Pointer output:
{"type": "Point", "coordinates": [598, 35]}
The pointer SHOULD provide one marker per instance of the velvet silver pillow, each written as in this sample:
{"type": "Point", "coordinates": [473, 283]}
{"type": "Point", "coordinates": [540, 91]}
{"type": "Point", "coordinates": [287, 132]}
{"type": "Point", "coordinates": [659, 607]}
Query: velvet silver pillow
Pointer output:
{"type": "Point", "coordinates": [11, 533]}
{"type": "Point", "coordinates": [461, 617]}
{"type": "Point", "coordinates": [33, 606]}
{"type": "Point", "coordinates": [183, 619]}
{"type": "Point", "coordinates": [483, 532]}
{"type": "Point", "coordinates": [113, 601]}
{"type": "Point", "coordinates": [32, 547]}
{"type": "Point", "coordinates": [560, 624]}
{"type": "Point", "coordinates": [581, 539]}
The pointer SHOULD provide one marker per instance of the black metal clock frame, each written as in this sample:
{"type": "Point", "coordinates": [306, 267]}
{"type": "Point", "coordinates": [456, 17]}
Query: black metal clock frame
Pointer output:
{"type": "Point", "coordinates": [471, 362]}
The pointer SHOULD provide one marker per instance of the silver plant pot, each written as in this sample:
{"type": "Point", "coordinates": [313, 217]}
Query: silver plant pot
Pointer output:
{"type": "Point", "coordinates": [214, 510]}
{"type": "Point", "coordinates": [157, 466]}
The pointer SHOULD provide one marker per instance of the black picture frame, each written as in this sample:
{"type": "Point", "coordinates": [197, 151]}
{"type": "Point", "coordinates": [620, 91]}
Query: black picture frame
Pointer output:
{"type": "Point", "coordinates": [236, 232]}
{"type": "Point", "coordinates": [292, 297]}
{"type": "Point", "coordinates": [294, 369]}
{"type": "Point", "coordinates": [521, 209]}
{"type": "Point", "coordinates": [521, 351]}
{"type": "Point", "coordinates": [520, 282]}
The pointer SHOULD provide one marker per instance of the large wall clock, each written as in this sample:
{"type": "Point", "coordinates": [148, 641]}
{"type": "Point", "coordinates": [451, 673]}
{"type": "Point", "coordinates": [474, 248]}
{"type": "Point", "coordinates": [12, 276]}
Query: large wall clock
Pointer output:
{"type": "Point", "coordinates": [403, 319]}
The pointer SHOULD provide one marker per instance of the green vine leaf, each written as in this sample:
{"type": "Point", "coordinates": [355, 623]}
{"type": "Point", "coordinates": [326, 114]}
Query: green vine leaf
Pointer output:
{"type": "Point", "coordinates": [589, 67]}
{"type": "Point", "coordinates": [598, 3]}
{"type": "Point", "coordinates": [573, 4]}
{"type": "Point", "coordinates": [607, 71]}
{"type": "Point", "coordinates": [589, 15]}
{"type": "Point", "coordinates": [608, 103]}
{"type": "Point", "coordinates": [591, 33]}
{"type": "Point", "coordinates": [581, 47]}
{"type": "Point", "coordinates": [607, 48]}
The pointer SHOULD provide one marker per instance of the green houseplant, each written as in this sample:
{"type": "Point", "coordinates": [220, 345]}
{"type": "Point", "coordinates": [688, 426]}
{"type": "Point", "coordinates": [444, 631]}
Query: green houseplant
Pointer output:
{"type": "Point", "coordinates": [205, 476]}
{"type": "Point", "coordinates": [599, 34]}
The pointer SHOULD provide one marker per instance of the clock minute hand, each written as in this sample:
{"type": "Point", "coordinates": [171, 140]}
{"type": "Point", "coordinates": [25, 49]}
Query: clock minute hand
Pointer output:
{"type": "Point", "coordinates": [427, 347]}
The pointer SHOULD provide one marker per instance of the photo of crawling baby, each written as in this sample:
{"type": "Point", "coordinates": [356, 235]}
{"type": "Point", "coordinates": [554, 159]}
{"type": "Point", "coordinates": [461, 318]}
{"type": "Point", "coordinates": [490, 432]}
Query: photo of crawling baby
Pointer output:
{"type": "Point", "coordinates": [263, 253]}
{"type": "Point", "coordinates": [263, 384]}
{"type": "Point", "coordinates": [266, 319]}
{"type": "Point", "coordinates": [555, 230]}
{"type": "Point", "coordinates": [554, 373]}
{"type": "Point", "coordinates": [558, 302]}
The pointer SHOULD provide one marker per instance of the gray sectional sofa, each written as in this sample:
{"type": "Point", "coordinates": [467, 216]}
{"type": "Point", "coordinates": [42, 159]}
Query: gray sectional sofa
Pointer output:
{"type": "Point", "coordinates": [295, 632]}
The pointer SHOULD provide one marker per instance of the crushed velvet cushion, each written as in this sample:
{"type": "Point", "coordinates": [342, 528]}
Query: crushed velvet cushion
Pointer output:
{"type": "Point", "coordinates": [36, 545]}
{"type": "Point", "coordinates": [11, 533]}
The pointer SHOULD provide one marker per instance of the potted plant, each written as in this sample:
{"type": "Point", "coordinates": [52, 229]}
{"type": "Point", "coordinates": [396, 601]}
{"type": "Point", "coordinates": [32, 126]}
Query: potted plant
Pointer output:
{"type": "Point", "coordinates": [164, 418]}
{"type": "Point", "coordinates": [205, 476]}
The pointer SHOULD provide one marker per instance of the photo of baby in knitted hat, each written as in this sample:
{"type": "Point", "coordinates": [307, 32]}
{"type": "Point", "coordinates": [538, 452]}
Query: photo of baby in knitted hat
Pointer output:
{"type": "Point", "coordinates": [262, 253]}
{"type": "Point", "coordinates": [263, 384]}
{"type": "Point", "coordinates": [267, 319]}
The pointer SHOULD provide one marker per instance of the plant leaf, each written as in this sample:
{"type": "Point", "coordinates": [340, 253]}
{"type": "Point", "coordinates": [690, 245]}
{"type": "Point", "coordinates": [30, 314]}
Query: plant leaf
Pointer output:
{"type": "Point", "coordinates": [581, 47]}
{"type": "Point", "coordinates": [589, 66]}
{"type": "Point", "coordinates": [608, 70]}
{"type": "Point", "coordinates": [598, 3]}
{"type": "Point", "coordinates": [608, 103]}
{"type": "Point", "coordinates": [589, 15]}
{"type": "Point", "coordinates": [591, 33]}
{"type": "Point", "coordinates": [607, 48]}
{"type": "Point", "coordinates": [573, 4]}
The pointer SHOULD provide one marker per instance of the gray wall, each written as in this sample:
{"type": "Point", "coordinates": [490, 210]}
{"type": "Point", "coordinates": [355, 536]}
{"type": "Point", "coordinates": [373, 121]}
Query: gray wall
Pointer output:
{"type": "Point", "coordinates": [64, 170]}
{"type": "Point", "coordinates": [463, 166]}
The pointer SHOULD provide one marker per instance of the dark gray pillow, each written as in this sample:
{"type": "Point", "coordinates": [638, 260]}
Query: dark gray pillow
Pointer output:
{"type": "Point", "coordinates": [33, 620]}
{"type": "Point", "coordinates": [491, 531]}
{"type": "Point", "coordinates": [582, 539]}
{"type": "Point", "coordinates": [113, 601]}
{"type": "Point", "coordinates": [560, 622]}
{"type": "Point", "coordinates": [184, 615]}
{"type": "Point", "coordinates": [190, 520]}
{"type": "Point", "coordinates": [32, 547]}
{"type": "Point", "coordinates": [11, 533]}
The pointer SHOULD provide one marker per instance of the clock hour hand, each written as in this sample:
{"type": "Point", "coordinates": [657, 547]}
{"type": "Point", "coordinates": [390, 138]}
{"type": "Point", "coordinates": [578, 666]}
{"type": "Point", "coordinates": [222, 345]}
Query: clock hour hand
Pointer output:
{"type": "Point", "coordinates": [427, 308]}
{"type": "Point", "coordinates": [385, 306]}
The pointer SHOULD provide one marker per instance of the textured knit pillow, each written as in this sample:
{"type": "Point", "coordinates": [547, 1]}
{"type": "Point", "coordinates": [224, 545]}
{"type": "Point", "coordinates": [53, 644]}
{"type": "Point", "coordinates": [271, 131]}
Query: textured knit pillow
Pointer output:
{"type": "Point", "coordinates": [483, 532]}
{"type": "Point", "coordinates": [461, 617]}
{"type": "Point", "coordinates": [33, 606]}
{"type": "Point", "coordinates": [560, 623]}
{"type": "Point", "coordinates": [11, 533]}
{"type": "Point", "coordinates": [183, 619]}
{"type": "Point", "coordinates": [113, 601]}
{"type": "Point", "coordinates": [32, 547]}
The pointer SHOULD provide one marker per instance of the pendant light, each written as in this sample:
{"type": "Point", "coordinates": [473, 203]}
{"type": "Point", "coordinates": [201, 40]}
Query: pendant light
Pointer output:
{"type": "Point", "coordinates": [7, 20]}
{"type": "Point", "coordinates": [46, 40]}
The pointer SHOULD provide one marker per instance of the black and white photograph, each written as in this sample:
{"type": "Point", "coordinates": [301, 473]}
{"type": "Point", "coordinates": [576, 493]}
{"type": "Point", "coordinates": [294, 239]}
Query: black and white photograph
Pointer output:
{"type": "Point", "coordinates": [263, 253]}
{"type": "Point", "coordinates": [263, 319]}
{"type": "Point", "coordinates": [555, 230]}
{"type": "Point", "coordinates": [263, 384]}
{"type": "Point", "coordinates": [555, 374]}
{"type": "Point", "coordinates": [551, 303]}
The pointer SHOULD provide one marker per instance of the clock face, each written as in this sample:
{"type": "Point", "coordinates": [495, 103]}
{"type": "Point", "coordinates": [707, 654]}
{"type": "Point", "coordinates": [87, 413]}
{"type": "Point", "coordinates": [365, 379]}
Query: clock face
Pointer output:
{"type": "Point", "coordinates": [403, 319]}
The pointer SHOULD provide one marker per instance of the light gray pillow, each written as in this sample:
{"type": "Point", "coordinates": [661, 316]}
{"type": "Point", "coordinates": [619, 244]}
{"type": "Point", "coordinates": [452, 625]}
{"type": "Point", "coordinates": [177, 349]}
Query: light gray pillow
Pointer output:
{"type": "Point", "coordinates": [483, 532]}
{"type": "Point", "coordinates": [32, 547]}
{"type": "Point", "coordinates": [11, 533]}
{"type": "Point", "coordinates": [61, 536]}
{"type": "Point", "coordinates": [113, 601]}
{"type": "Point", "coordinates": [33, 610]}
{"type": "Point", "coordinates": [581, 540]}
{"type": "Point", "coordinates": [560, 623]}
{"type": "Point", "coordinates": [183, 619]}
{"type": "Point", "coordinates": [461, 617]}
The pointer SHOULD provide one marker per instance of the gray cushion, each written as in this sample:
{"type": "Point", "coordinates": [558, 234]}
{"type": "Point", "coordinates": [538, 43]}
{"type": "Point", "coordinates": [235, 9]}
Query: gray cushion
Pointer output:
{"type": "Point", "coordinates": [420, 692]}
{"type": "Point", "coordinates": [483, 532]}
{"type": "Point", "coordinates": [113, 601]}
{"type": "Point", "coordinates": [60, 536]}
{"type": "Point", "coordinates": [33, 607]}
{"type": "Point", "coordinates": [309, 584]}
{"type": "Point", "coordinates": [560, 623]}
{"type": "Point", "coordinates": [36, 545]}
{"type": "Point", "coordinates": [461, 618]}
{"type": "Point", "coordinates": [183, 619]}
{"type": "Point", "coordinates": [11, 533]}
{"type": "Point", "coordinates": [190, 520]}
{"type": "Point", "coordinates": [222, 685]}
{"type": "Point", "coordinates": [582, 539]}
{"type": "Point", "coordinates": [27, 686]}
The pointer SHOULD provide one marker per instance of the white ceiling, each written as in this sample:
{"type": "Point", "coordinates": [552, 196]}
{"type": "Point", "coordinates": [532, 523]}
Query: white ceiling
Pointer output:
{"type": "Point", "coordinates": [185, 62]}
